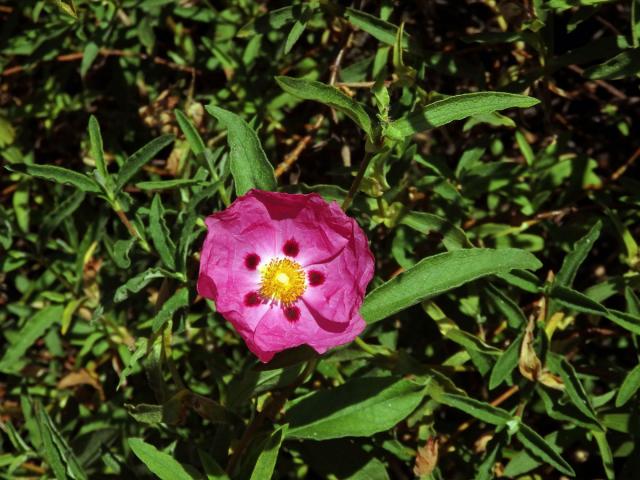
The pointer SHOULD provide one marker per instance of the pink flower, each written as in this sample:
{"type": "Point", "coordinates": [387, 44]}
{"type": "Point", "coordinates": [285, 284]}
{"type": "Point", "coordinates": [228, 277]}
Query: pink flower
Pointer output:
{"type": "Point", "coordinates": [286, 270]}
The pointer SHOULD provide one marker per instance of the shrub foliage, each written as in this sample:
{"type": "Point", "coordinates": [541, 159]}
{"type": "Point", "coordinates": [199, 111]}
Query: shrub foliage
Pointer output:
{"type": "Point", "coordinates": [487, 147]}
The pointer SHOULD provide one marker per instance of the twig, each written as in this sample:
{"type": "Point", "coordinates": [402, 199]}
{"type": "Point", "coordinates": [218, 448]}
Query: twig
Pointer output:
{"type": "Point", "coordinates": [294, 154]}
{"type": "Point", "coordinates": [75, 56]}
{"type": "Point", "coordinates": [292, 157]}
{"type": "Point", "coordinates": [620, 171]}
{"type": "Point", "coordinates": [356, 182]}
{"type": "Point", "coordinates": [601, 83]}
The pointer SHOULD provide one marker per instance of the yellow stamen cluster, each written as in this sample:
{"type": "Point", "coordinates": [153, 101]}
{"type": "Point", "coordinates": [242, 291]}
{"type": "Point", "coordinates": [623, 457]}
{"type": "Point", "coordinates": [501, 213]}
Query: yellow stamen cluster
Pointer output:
{"type": "Point", "coordinates": [282, 280]}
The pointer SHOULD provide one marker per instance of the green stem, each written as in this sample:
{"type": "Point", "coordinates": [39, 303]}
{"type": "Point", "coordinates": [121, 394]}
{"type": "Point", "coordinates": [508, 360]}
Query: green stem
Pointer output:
{"type": "Point", "coordinates": [269, 410]}
{"type": "Point", "coordinates": [356, 181]}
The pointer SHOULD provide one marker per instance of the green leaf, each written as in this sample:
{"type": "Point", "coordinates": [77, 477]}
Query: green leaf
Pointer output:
{"type": "Point", "coordinates": [273, 20]}
{"type": "Point", "coordinates": [359, 408]}
{"type": "Point", "coordinates": [136, 161]}
{"type": "Point", "coordinates": [49, 451]}
{"type": "Point", "coordinates": [525, 148]}
{"type": "Point", "coordinates": [580, 302]}
{"type": "Point", "coordinates": [480, 410]}
{"type": "Point", "coordinates": [635, 23]}
{"type": "Point", "coordinates": [453, 237]}
{"type": "Point", "coordinates": [59, 175]}
{"type": "Point", "coordinates": [140, 351]}
{"type": "Point", "coordinates": [510, 309]}
{"type": "Point", "coordinates": [376, 27]}
{"type": "Point", "coordinates": [249, 165]}
{"type": "Point", "coordinates": [573, 386]}
{"type": "Point", "coordinates": [268, 456]}
{"type": "Point", "coordinates": [56, 449]}
{"type": "Point", "coordinates": [440, 273]}
{"type": "Point", "coordinates": [121, 251]}
{"type": "Point", "coordinates": [606, 454]}
{"type": "Point", "coordinates": [167, 184]}
{"type": "Point", "coordinates": [522, 279]}
{"type": "Point", "coordinates": [33, 329]}
{"type": "Point", "coordinates": [506, 363]}
{"type": "Point", "coordinates": [21, 207]}
{"type": "Point", "coordinates": [624, 65]}
{"type": "Point", "coordinates": [482, 355]}
{"type": "Point", "coordinates": [629, 387]}
{"type": "Point", "coordinates": [211, 468]}
{"type": "Point", "coordinates": [178, 300]}
{"type": "Point", "coordinates": [91, 51]}
{"type": "Point", "coordinates": [297, 29]}
{"type": "Point", "coordinates": [57, 215]}
{"type": "Point", "coordinates": [97, 150]}
{"type": "Point", "coordinates": [138, 282]}
{"type": "Point", "coordinates": [161, 464]}
{"type": "Point", "coordinates": [191, 134]}
{"type": "Point", "coordinates": [255, 381]}
{"type": "Point", "coordinates": [576, 256]}
{"type": "Point", "coordinates": [458, 107]}
{"type": "Point", "coordinates": [538, 447]}
{"type": "Point", "coordinates": [331, 96]}
{"type": "Point", "coordinates": [160, 234]}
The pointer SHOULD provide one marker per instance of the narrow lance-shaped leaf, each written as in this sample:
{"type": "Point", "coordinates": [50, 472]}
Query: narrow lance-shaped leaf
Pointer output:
{"type": "Point", "coordinates": [580, 302]}
{"type": "Point", "coordinates": [178, 300]}
{"type": "Point", "coordinates": [359, 408]}
{"type": "Point", "coordinates": [454, 237]}
{"type": "Point", "coordinates": [136, 161]}
{"type": "Point", "coordinates": [629, 387]}
{"type": "Point", "coordinates": [625, 64]}
{"type": "Point", "coordinates": [573, 386]}
{"type": "Point", "coordinates": [506, 363]}
{"type": "Point", "coordinates": [440, 273]}
{"type": "Point", "coordinates": [376, 27]}
{"type": "Point", "coordinates": [273, 20]}
{"type": "Point", "coordinates": [161, 464]}
{"type": "Point", "coordinates": [138, 282]}
{"type": "Point", "coordinates": [90, 53]}
{"type": "Point", "coordinates": [538, 447]}
{"type": "Point", "coordinates": [480, 410]}
{"type": "Point", "coordinates": [56, 446]}
{"type": "Point", "coordinates": [506, 306]}
{"type": "Point", "coordinates": [605, 454]}
{"type": "Point", "coordinates": [457, 107]}
{"type": "Point", "coordinates": [297, 29]}
{"type": "Point", "coordinates": [331, 96]}
{"type": "Point", "coordinates": [33, 329]}
{"type": "Point", "coordinates": [267, 460]}
{"type": "Point", "coordinates": [577, 255]}
{"type": "Point", "coordinates": [97, 152]}
{"type": "Point", "coordinates": [160, 234]}
{"type": "Point", "coordinates": [249, 165]}
{"type": "Point", "coordinates": [191, 134]}
{"type": "Point", "coordinates": [59, 175]}
{"type": "Point", "coordinates": [168, 184]}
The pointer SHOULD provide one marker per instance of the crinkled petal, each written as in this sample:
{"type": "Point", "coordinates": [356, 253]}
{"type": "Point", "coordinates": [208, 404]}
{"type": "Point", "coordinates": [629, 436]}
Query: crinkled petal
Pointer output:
{"type": "Point", "coordinates": [320, 229]}
{"type": "Point", "coordinates": [346, 277]}
{"type": "Point", "coordinates": [275, 332]}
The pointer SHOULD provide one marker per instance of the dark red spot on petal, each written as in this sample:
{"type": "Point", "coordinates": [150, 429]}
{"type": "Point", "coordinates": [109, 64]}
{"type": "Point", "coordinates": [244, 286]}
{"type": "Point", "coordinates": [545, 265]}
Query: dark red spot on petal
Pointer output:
{"type": "Point", "coordinates": [292, 313]}
{"type": "Point", "coordinates": [251, 261]}
{"type": "Point", "coordinates": [252, 299]}
{"type": "Point", "coordinates": [316, 278]}
{"type": "Point", "coordinates": [291, 248]}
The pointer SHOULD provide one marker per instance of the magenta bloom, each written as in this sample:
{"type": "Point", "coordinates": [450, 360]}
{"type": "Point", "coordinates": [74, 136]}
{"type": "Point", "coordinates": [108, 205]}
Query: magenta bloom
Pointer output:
{"type": "Point", "coordinates": [286, 270]}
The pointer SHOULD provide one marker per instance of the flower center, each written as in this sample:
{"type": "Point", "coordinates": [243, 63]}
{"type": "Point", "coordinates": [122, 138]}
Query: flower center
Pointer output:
{"type": "Point", "coordinates": [282, 280]}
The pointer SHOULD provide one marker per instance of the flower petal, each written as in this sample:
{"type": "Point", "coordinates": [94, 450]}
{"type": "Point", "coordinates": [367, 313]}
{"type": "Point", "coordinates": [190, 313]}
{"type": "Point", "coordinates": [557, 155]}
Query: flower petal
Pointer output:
{"type": "Point", "coordinates": [339, 296]}
{"type": "Point", "coordinates": [275, 332]}
{"type": "Point", "coordinates": [320, 229]}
